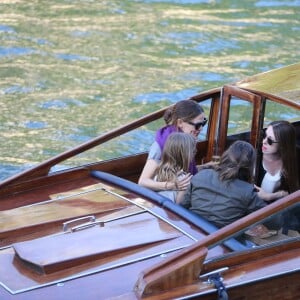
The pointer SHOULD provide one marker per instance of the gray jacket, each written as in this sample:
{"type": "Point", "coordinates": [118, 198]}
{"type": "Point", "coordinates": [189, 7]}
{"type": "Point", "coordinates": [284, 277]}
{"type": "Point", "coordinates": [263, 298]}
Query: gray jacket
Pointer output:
{"type": "Point", "coordinates": [220, 202]}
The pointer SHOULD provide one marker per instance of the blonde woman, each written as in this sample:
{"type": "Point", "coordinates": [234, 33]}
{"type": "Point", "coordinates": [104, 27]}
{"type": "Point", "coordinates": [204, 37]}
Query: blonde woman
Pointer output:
{"type": "Point", "coordinates": [177, 155]}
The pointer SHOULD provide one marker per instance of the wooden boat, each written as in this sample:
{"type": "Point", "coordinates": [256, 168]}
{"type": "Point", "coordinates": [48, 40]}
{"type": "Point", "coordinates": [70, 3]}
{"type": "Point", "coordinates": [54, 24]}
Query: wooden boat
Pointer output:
{"type": "Point", "coordinates": [90, 232]}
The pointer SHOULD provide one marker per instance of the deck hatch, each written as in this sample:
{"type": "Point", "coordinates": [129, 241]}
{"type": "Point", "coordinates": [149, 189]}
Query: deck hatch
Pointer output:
{"type": "Point", "coordinates": [54, 253]}
{"type": "Point", "coordinates": [18, 222]}
{"type": "Point", "coordinates": [139, 237]}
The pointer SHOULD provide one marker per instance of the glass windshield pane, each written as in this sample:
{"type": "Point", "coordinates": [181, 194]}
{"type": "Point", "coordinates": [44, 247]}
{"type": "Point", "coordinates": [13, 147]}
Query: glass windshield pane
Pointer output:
{"type": "Point", "coordinates": [240, 116]}
{"type": "Point", "coordinates": [278, 227]}
{"type": "Point", "coordinates": [276, 111]}
{"type": "Point", "coordinates": [206, 105]}
{"type": "Point", "coordinates": [239, 120]}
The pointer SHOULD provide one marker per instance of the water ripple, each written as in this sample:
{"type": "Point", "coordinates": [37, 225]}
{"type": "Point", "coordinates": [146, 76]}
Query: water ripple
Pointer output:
{"type": "Point", "coordinates": [4, 28]}
{"type": "Point", "coordinates": [183, 2]}
{"type": "Point", "coordinates": [72, 57]}
{"type": "Point", "coordinates": [204, 76]}
{"type": "Point", "coordinates": [172, 97]}
{"type": "Point", "coordinates": [15, 51]}
{"type": "Point", "coordinates": [277, 3]}
{"type": "Point", "coordinates": [61, 103]}
{"type": "Point", "coordinates": [184, 38]}
{"type": "Point", "coordinates": [35, 124]}
{"type": "Point", "coordinates": [16, 89]}
{"type": "Point", "coordinates": [217, 45]}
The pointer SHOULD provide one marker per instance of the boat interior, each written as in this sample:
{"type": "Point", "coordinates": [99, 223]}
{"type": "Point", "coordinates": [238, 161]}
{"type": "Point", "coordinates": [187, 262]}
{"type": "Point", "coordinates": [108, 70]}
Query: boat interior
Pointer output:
{"type": "Point", "coordinates": [50, 217]}
{"type": "Point", "coordinates": [84, 231]}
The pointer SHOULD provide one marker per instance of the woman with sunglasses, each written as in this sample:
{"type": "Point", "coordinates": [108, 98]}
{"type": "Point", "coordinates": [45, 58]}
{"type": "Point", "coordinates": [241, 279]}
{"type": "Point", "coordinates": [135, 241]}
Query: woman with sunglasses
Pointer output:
{"type": "Point", "coordinates": [185, 116]}
{"type": "Point", "coordinates": [278, 175]}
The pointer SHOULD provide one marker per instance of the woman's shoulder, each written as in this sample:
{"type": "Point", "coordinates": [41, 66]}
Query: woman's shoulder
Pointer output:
{"type": "Point", "coordinates": [205, 173]}
{"type": "Point", "coordinates": [207, 169]}
{"type": "Point", "coordinates": [245, 188]}
{"type": "Point", "coordinates": [154, 152]}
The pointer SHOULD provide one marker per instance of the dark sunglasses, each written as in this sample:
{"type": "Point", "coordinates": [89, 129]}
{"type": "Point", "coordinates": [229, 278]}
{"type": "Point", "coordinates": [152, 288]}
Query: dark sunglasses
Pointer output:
{"type": "Point", "coordinates": [269, 140]}
{"type": "Point", "coordinates": [199, 124]}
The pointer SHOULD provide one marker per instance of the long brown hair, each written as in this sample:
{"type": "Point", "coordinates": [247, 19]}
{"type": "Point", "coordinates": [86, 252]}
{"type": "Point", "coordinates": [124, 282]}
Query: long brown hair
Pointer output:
{"type": "Point", "coordinates": [186, 110]}
{"type": "Point", "coordinates": [177, 155]}
{"type": "Point", "coordinates": [237, 162]}
{"type": "Point", "coordinates": [285, 135]}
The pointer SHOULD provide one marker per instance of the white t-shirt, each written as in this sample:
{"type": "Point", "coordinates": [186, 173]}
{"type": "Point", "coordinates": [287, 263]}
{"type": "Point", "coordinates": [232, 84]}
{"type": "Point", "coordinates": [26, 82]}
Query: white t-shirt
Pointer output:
{"type": "Point", "coordinates": [270, 182]}
{"type": "Point", "coordinates": [169, 194]}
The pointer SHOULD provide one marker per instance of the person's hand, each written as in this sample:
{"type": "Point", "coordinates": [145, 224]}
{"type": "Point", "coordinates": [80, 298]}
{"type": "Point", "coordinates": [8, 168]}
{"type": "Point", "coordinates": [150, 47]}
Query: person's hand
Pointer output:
{"type": "Point", "coordinates": [262, 194]}
{"type": "Point", "coordinates": [282, 193]}
{"type": "Point", "coordinates": [270, 196]}
{"type": "Point", "coordinates": [183, 182]}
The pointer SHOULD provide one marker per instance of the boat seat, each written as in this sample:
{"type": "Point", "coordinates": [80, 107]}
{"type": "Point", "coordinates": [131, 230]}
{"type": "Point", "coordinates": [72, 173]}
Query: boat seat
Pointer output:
{"type": "Point", "coordinates": [164, 202]}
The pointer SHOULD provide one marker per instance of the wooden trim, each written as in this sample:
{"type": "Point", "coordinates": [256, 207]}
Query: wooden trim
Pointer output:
{"type": "Point", "coordinates": [211, 241]}
{"type": "Point", "coordinates": [171, 273]}
{"type": "Point", "coordinates": [228, 92]}
{"type": "Point", "coordinates": [43, 168]}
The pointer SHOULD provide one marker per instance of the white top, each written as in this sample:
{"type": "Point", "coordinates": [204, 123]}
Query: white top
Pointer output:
{"type": "Point", "coordinates": [169, 194]}
{"type": "Point", "coordinates": [270, 182]}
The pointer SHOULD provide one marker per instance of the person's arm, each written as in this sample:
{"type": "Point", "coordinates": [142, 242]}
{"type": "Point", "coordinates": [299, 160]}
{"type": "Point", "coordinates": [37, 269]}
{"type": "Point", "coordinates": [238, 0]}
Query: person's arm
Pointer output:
{"type": "Point", "coordinates": [270, 196]}
{"type": "Point", "coordinates": [185, 201]}
{"type": "Point", "coordinates": [183, 183]}
{"type": "Point", "coordinates": [180, 196]}
{"type": "Point", "coordinates": [254, 201]}
{"type": "Point", "coordinates": [147, 178]}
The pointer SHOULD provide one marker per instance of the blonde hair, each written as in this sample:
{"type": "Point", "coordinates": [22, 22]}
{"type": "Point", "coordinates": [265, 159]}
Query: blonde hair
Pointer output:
{"type": "Point", "coordinates": [178, 153]}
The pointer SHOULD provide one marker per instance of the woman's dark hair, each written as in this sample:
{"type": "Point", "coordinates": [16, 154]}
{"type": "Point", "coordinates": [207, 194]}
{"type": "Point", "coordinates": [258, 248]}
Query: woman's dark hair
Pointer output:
{"type": "Point", "coordinates": [237, 162]}
{"type": "Point", "coordinates": [185, 110]}
{"type": "Point", "coordinates": [285, 135]}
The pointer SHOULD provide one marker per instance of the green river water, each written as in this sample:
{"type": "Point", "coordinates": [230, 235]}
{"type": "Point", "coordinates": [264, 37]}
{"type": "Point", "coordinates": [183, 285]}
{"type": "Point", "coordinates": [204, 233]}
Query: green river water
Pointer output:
{"type": "Point", "coordinates": [72, 70]}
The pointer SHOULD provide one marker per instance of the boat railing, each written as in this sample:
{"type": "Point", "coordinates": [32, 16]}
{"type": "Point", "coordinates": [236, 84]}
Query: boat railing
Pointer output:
{"type": "Point", "coordinates": [190, 260]}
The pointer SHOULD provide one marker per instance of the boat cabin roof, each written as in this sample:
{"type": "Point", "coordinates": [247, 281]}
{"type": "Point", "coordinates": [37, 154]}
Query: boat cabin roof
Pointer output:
{"type": "Point", "coordinates": [283, 82]}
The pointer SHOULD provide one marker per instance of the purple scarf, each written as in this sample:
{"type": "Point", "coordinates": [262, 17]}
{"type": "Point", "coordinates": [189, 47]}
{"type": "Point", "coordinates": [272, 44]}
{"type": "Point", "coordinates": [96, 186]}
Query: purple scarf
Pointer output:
{"type": "Point", "coordinates": [161, 137]}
